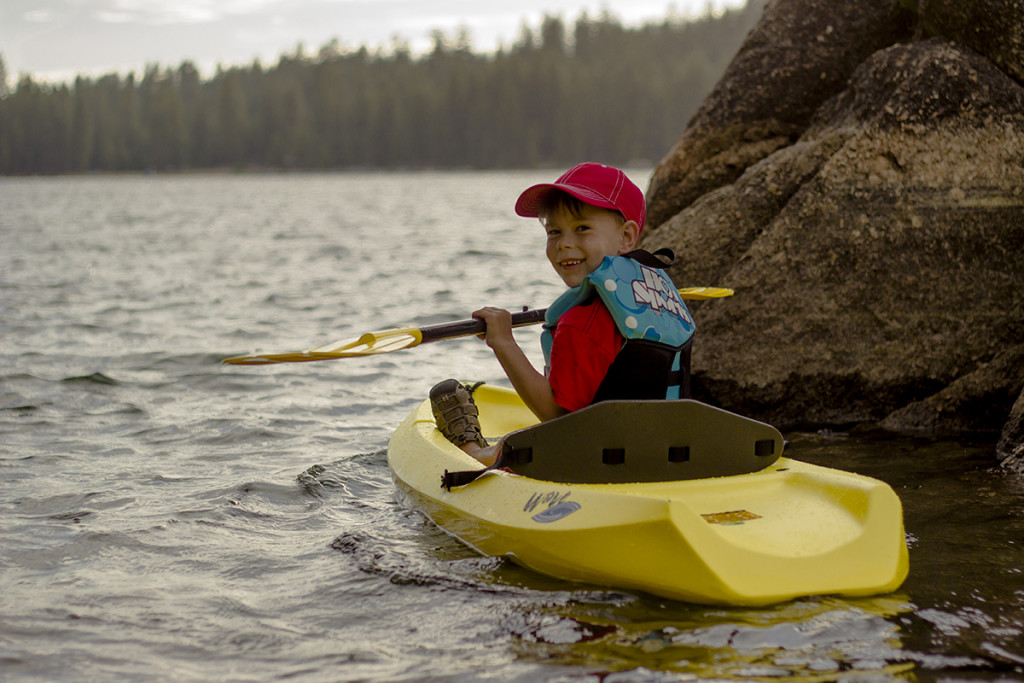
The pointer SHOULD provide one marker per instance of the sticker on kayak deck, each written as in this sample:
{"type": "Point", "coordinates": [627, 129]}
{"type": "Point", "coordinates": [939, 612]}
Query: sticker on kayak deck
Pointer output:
{"type": "Point", "coordinates": [731, 517]}
{"type": "Point", "coordinates": [550, 499]}
{"type": "Point", "coordinates": [556, 512]}
{"type": "Point", "coordinates": [555, 506]}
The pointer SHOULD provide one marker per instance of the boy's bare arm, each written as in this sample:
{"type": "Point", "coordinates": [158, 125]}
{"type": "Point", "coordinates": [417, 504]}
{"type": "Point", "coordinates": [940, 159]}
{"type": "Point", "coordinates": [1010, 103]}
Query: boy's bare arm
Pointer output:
{"type": "Point", "coordinates": [532, 386]}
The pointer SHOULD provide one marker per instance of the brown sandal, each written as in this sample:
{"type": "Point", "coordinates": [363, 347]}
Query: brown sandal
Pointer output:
{"type": "Point", "coordinates": [456, 413]}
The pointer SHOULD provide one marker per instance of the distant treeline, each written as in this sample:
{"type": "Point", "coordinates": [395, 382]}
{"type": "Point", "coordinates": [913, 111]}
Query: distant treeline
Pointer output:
{"type": "Point", "coordinates": [593, 90]}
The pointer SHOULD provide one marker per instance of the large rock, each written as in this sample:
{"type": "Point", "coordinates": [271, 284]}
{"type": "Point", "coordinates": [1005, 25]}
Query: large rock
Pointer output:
{"type": "Point", "coordinates": [800, 54]}
{"type": "Point", "coordinates": [875, 236]}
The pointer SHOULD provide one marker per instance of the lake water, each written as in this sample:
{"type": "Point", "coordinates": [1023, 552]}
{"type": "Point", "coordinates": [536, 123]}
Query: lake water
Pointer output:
{"type": "Point", "coordinates": [163, 516]}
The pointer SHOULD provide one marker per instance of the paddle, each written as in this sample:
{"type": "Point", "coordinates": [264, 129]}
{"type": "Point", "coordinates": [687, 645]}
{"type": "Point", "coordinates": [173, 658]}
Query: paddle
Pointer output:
{"type": "Point", "coordinates": [386, 341]}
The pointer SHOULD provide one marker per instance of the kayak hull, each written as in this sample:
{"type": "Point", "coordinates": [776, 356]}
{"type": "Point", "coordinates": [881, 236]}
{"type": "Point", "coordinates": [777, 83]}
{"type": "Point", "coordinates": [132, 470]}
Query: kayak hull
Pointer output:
{"type": "Point", "coordinates": [792, 529]}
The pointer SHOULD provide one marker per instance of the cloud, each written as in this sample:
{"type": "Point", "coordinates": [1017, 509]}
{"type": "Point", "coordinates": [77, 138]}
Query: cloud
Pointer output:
{"type": "Point", "coordinates": [39, 16]}
{"type": "Point", "coordinates": [57, 39]}
{"type": "Point", "coordinates": [115, 17]}
{"type": "Point", "coordinates": [157, 12]}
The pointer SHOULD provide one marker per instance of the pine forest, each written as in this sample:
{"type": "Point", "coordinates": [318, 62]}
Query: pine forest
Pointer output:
{"type": "Point", "coordinates": [592, 89]}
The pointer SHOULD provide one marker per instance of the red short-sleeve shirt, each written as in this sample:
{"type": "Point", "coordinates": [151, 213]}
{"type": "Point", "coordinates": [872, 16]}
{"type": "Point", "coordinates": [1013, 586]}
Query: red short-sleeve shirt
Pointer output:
{"type": "Point", "coordinates": [584, 344]}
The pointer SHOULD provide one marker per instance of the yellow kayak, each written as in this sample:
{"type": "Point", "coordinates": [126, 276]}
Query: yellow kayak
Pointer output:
{"type": "Point", "coordinates": [674, 498]}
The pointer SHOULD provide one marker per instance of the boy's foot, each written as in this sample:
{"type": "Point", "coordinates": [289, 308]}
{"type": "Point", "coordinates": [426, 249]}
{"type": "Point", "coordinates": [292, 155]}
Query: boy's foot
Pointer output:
{"type": "Point", "coordinates": [456, 414]}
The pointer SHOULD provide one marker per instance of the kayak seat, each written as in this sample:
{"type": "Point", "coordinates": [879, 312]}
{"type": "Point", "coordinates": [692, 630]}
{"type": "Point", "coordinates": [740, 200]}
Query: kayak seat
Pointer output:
{"type": "Point", "coordinates": [614, 442]}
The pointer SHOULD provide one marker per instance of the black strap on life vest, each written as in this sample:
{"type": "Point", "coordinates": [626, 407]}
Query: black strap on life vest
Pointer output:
{"type": "Point", "coordinates": [660, 259]}
{"type": "Point", "coordinates": [643, 371]}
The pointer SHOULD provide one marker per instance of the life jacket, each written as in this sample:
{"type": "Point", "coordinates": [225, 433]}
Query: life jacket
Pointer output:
{"type": "Point", "coordinates": [654, 362]}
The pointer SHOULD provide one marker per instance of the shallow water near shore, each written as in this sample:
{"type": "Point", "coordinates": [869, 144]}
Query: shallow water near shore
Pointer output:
{"type": "Point", "coordinates": [163, 516]}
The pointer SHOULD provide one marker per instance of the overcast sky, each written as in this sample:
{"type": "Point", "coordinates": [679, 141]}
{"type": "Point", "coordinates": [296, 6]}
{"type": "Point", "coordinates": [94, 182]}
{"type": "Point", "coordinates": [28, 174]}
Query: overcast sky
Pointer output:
{"type": "Point", "coordinates": [56, 39]}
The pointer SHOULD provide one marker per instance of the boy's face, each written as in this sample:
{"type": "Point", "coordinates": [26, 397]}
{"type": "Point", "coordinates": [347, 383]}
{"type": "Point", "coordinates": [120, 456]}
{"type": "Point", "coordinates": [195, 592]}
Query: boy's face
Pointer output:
{"type": "Point", "coordinates": [577, 244]}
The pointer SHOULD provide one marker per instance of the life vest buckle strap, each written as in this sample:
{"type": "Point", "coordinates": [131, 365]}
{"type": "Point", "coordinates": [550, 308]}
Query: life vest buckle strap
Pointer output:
{"type": "Point", "coordinates": [660, 259]}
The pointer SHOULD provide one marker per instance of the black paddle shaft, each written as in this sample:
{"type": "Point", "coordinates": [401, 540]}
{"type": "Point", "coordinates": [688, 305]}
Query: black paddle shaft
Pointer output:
{"type": "Point", "coordinates": [464, 328]}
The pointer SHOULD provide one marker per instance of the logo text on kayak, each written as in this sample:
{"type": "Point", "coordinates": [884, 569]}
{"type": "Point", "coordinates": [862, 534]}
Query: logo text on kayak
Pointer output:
{"type": "Point", "coordinates": [554, 504]}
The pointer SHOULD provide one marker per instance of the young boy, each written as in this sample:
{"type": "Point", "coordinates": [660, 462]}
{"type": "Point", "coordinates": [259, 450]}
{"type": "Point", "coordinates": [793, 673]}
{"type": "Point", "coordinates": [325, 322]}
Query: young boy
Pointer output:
{"type": "Point", "coordinates": [620, 332]}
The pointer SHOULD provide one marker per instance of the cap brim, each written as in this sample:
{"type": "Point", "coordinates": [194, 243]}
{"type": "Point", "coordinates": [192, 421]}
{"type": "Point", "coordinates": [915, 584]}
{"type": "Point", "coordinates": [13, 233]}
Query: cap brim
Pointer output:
{"type": "Point", "coordinates": [528, 204]}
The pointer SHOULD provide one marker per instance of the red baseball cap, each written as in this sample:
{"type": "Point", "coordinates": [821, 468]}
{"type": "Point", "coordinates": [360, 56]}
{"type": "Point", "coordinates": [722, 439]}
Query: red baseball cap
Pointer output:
{"type": "Point", "coordinates": [595, 184]}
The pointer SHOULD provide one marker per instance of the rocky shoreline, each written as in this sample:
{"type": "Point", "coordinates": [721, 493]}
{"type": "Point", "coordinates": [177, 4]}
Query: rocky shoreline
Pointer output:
{"type": "Point", "coordinates": [857, 176]}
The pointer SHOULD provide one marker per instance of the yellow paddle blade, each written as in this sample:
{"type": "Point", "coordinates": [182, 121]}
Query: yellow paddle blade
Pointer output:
{"type": "Point", "coordinates": [365, 345]}
{"type": "Point", "coordinates": [700, 293]}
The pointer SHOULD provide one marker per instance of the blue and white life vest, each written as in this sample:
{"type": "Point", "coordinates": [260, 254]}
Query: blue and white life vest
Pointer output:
{"type": "Point", "coordinates": [656, 325]}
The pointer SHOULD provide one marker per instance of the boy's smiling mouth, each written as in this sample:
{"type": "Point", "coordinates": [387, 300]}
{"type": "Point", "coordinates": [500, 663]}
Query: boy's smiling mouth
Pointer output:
{"type": "Point", "coordinates": [569, 263]}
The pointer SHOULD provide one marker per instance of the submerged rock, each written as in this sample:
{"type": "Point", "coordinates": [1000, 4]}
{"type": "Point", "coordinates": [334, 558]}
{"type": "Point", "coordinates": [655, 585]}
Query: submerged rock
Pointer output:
{"type": "Point", "coordinates": [863, 192]}
{"type": "Point", "coordinates": [1011, 445]}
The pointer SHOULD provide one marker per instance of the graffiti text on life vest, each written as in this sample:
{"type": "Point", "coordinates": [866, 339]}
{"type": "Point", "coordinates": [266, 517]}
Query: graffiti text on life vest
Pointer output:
{"type": "Point", "coordinates": [656, 292]}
